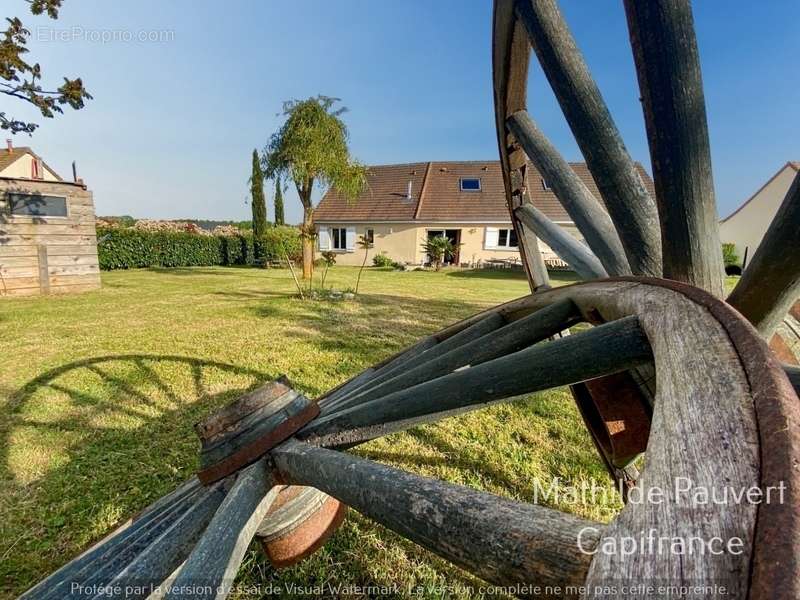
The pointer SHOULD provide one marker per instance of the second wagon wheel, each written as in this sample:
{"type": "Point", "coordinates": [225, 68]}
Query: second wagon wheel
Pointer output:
{"type": "Point", "coordinates": [668, 368]}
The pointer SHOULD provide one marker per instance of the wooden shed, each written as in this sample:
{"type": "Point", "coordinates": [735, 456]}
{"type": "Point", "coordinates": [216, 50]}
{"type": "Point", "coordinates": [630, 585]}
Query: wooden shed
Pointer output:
{"type": "Point", "coordinates": [48, 242]}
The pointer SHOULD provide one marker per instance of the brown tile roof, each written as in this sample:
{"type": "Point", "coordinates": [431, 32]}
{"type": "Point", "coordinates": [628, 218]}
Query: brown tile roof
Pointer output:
{"type": "Point", "coordinates": [7, 158]}
{"type": "Point", "coordinates": [383, 198]}
{"type": "Point", "coordinates": [437, 196]}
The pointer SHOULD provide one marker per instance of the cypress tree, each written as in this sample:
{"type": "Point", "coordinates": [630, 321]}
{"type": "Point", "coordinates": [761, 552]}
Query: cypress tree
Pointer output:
{"type": "Point", "coordinates": [259, 204]}
{"type": "Point", "coordinates": [278, 203]}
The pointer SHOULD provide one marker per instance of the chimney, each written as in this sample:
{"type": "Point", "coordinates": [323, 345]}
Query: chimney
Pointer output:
{"type": "Point", "coordinates": [74, 172]}
{"type": "Point", "coordinates": [408, 193]}
{"type": "Point", "coordinates": [9, 145]}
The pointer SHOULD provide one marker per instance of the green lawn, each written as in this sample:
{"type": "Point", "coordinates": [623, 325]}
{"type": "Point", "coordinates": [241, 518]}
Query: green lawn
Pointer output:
{"type": "Point", "coordinates": [98, 393]}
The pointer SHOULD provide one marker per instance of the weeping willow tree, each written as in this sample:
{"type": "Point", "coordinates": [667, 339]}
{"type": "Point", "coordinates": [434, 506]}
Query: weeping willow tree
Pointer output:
{"type": "Point", "coordinates": [311, 149]}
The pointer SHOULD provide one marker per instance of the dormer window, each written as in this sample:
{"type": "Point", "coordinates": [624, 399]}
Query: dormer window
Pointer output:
{"type": "Point", "coordinates": [470, 184]}
{"type": "Point", "coordinates": [544, 184]}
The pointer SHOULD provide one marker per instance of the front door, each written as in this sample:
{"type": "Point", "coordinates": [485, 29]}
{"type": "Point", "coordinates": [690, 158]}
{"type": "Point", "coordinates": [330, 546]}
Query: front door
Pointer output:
{"type": "Point", "coordinates": [454, 235]}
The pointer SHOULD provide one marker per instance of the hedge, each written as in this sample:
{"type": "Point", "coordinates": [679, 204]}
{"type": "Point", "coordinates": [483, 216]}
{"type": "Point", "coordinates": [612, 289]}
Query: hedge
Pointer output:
{"type": "Point", "coordinates": [125, 248]}
{"type": "Point", "coordinates": [280, 239]}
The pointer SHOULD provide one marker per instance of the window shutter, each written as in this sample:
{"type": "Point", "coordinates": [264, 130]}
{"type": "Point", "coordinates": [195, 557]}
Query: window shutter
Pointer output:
{"type": "Point", "coordinates": [351, 239]}
{"type": "Point", "coordinates": [324, 238]}
{"type": "Point", "coordinates": [491, 237]}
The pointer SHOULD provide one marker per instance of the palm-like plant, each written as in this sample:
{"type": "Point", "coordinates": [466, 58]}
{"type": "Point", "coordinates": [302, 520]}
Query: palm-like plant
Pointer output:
{"type": "Point", "coordinates": [439, 249]}
{"type": "Point", "coordinates": [365, 245]}
{"type": "Point", "coordinates": [329, 258]}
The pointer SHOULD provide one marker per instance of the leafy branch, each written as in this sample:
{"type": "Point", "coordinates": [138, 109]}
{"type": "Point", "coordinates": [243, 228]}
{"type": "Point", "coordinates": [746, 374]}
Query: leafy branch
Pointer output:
{"type": "Point", "coordinates": [21, 79]}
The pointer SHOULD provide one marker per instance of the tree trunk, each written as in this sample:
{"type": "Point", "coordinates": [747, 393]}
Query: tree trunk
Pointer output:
{"type": "Point", "coordinates": [308, 241]}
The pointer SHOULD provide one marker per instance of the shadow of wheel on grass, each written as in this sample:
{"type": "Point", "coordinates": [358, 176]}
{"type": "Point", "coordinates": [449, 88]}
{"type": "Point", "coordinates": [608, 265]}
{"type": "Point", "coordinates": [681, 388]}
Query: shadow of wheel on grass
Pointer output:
{"type": "Point", "coordinates": [88, 444]}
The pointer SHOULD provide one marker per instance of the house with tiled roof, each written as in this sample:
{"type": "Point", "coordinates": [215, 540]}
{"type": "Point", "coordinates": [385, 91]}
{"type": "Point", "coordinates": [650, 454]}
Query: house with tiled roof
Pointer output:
{"type": "Point", "coordinates": [403, 205]}
{"type": "Point", "coordinates": [746, 226]}
{"type": "Point", "coordinates": [48, 242]}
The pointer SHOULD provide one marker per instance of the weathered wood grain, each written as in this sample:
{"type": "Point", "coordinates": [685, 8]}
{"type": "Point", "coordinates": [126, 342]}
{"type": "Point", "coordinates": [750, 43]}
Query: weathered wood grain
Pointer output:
{"type": "Point", "coordinates": [69, 571]}
{"type": "Point", "coordinates": [591, 219]}
{"type": "Point", "coordinates": [501, 541]}
{"type": "Point", "coordinates": [43, 270]}
{"type": "Point", "coordinates": [575, 254]}
{"type": "Point", "coordinates": [228, 417]}
{"type": "Point", "coordinates": [632, 209]}
{"type": "Point", "coordinates": [527, 241]}
{"type": "Point", "coordinates": [167, 552]}
{"type": "Point", "coordinates": [602, 350]}
{"type": "Point", "coordinates": [211, 567]}
{"type": "Point", "coordinates": [253, 427]}
{"type": "Point", "coordinates": [511, 338]}
{"type": "Point", "coordinates": [113, 561]}
{"type": "Point", "coordinates": [703, 430]}
{"type": "Point", "coordinates": [668, 68]}
{"type": "Point", "coordinates": [103, 561]}
{"type": "Point", "coordinates": [794, 377]}
{"type": "Point", "coordinates": [510, 59]}
{"type": "Point", "coordinates": [770, 285]}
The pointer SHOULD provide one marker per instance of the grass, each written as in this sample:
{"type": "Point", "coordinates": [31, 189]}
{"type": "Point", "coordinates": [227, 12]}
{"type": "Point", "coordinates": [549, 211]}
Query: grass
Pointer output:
{"type": "Point", "coordinates": [98, 393]}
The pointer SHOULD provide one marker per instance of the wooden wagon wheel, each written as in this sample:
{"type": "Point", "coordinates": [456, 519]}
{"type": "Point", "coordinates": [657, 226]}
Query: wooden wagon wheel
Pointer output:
{"type": "Point", "coordinates": [668, 367]}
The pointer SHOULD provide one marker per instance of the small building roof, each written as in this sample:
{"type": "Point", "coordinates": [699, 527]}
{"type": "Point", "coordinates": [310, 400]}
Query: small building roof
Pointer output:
{"type": "Point", "coordinates": [792, 164]}
{"type": "Point", "coordinates": [436, 194]}
{"type": "Point", "coordinates": [10, 156]}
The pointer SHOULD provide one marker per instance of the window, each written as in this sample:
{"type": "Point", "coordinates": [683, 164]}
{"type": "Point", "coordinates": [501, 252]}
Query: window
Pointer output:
{"type": "Point", "coordinates": [369, 235]}
{"type": "Point", "coordinates": [36, 205]}
{"type": "Point", "coordinates": [544, 184]}
{"type": "Point", "coordinates": [470, 184]}
{"type": "Point", "coordinates": [36, 168]}
{"type": "Point", "coordinates": [506, 238]}
{"type": "Point", "coordinates": [339, 238]}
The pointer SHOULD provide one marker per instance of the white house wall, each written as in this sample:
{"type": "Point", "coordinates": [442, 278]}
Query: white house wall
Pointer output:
{"type": "Point", "coordinates": [402, 242]}
{"type": "Point", "coordinates": [747, 226]}
{"type": "Point", "coordinates": [21, 169]}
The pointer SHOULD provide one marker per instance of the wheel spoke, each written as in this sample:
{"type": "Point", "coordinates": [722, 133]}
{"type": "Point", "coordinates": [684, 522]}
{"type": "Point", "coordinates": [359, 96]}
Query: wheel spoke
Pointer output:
{"type": "Point", "coordinates": [771, 283]}
{"type": "Point", "coordinates": [501, 541]}
{"type": "Point", "coordinates": [575, 254]}
{"type": "Point", "coordinates": [100, 564]}
{"type": "Point", "coordinates": [624, 193]}
{"type": "Point", "coordinates": [586, 212]}
{"type": "Point", "coordinates": [211, 567]}
{"type": "Point", "coordinates": [610, 348]}
{"type": "Point", "coordinates": [511, 338]}
{"type": "Point", "coordinates": [487, 324]}
{"type": "Point", "coordinates": [50, 587]}
{"type": "Point", "coordinates": [156, 562]}
{"type": "Point", "coordinates": [668, 66]}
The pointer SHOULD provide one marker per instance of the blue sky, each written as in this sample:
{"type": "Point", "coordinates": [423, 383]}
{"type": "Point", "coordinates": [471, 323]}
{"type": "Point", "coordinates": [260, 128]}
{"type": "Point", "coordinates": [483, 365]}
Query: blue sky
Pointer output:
{"type": "Point", "coordinates": [173, 123]}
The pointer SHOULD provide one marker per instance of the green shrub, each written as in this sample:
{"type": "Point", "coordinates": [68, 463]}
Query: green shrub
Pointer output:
{"type": "Point", "coordinates": [279, 240]}
{"type": "Point", "coordinates": [729, 256]}
{"type": "Point", "coordinates": [120, 248]}
{"type": "Point", "coordinates": [234, 249]}
{"type": "Point", "coordinates": [381, 260]}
